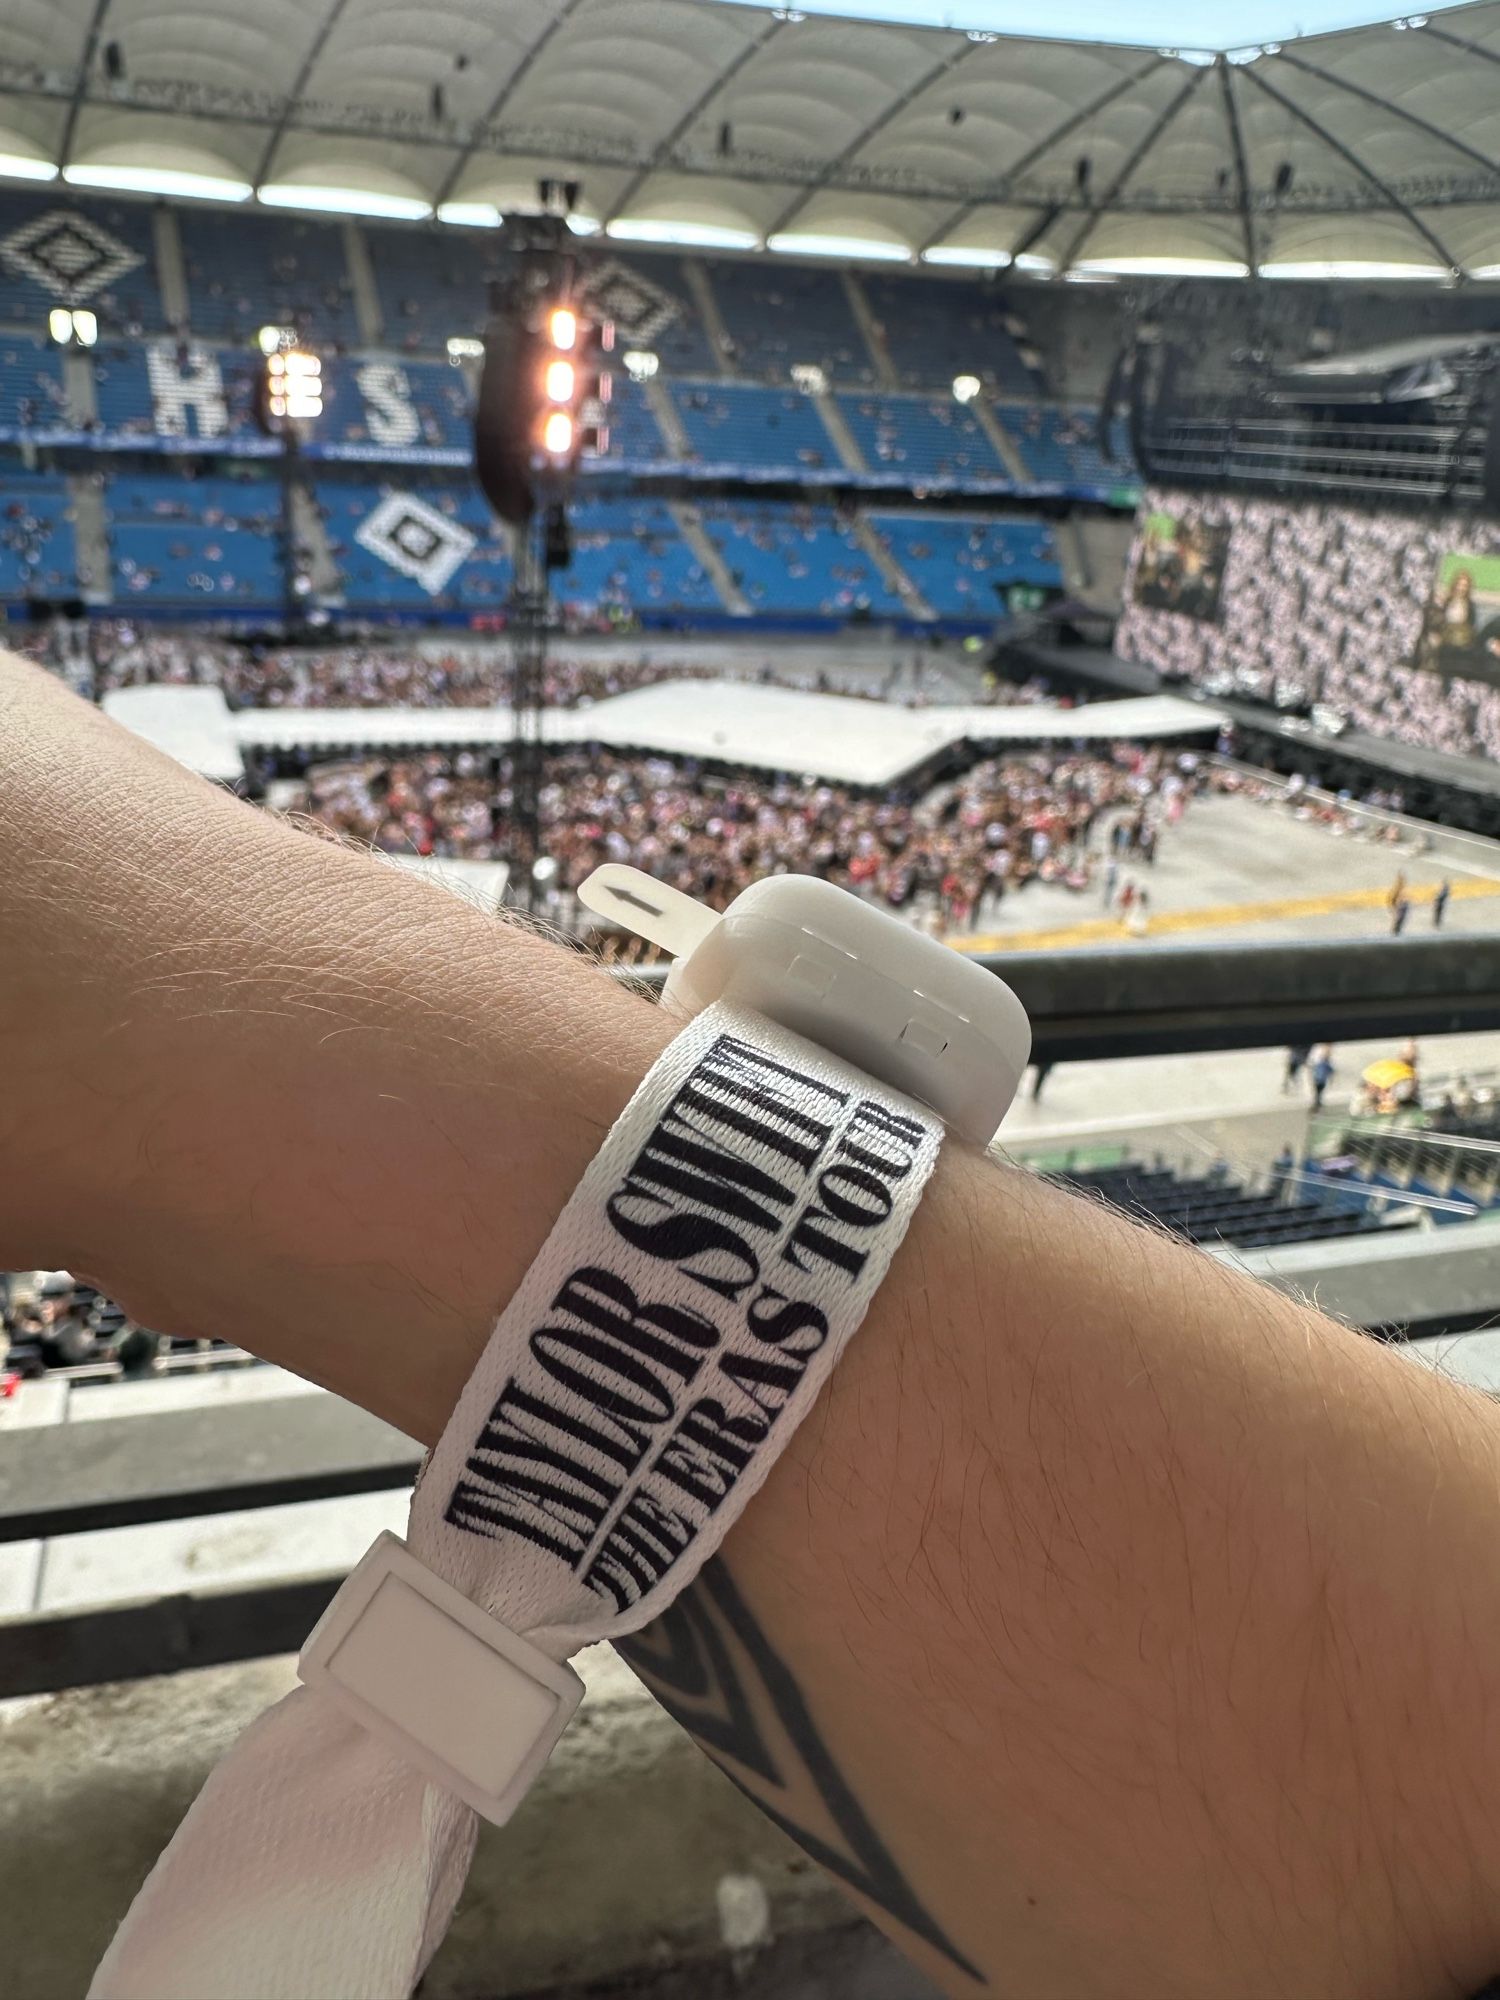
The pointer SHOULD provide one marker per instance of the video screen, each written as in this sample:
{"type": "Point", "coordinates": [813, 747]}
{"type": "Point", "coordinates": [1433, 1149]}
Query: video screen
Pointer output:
{"type": "Point", "coordinates": [1180, 566]}
{"type": "Point", "coordinates": [1389, 620]}
{"type": "Point", "coordinates": [1461, 620]}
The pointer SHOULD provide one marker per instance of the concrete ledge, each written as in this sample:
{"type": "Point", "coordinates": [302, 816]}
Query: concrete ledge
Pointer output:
{"type": "Point", "coordinates": [614, 1869]}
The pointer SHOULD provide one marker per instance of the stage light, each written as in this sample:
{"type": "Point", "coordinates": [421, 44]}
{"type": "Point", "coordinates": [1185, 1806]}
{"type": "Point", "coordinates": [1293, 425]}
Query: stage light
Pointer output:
{"type": "Point", "coordinates": [463, 347]}
{"type": "Point", "coordinates": [271, 337]}
{"type": "Point", "coordinates": [293, 387]}
{"type": "Point", "coordinates": [966, 388]}
{"type": "Point", "coordinates": [561, 381]}
{"type": "Point", "coordinates": [641, 364]}
{"type": "Point", "coordinates": [562, 327]}
{"type": "Point", "coordinates": [557, 433]}
{"type": "Point", "coordinates": [72, 329]}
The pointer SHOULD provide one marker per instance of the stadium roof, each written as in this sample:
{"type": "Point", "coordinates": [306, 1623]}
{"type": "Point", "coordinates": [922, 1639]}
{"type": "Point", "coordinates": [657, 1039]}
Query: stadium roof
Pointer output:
{"type": "Point", "coordinates": [1373, 151]}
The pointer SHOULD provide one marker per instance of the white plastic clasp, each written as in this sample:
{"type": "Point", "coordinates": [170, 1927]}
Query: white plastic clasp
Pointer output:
{"type": "Point", "coordinates": [851, 978]}
{"type": "Point", "coordinates": [453, 1692]}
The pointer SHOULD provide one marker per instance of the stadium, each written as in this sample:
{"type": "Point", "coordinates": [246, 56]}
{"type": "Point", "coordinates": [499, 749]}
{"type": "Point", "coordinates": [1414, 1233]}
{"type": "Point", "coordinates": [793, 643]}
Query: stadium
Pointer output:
{"type": "Point", "coordinates": [1038, 477]}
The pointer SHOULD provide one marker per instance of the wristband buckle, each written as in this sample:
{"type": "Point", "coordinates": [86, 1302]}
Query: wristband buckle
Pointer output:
{"type": "Point", "coordinates": [448, 1688]}
{"type": "Point", "coordinates": [837, 971]}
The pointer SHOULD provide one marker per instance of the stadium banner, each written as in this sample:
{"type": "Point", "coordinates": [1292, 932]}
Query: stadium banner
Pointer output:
{"type": "Point", "coordinates": [1180, 564]}
{"type": "Point", "coordinates": [1460, 635]}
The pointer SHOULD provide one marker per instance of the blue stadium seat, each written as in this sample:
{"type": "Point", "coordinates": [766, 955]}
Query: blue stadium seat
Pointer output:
{"type": "Point", "coordinates": [741, 424]}
{"type": "Point", "coordinates": [250, 270]}
{"type": "Point", "coordinates": [38, 554]}
{"type": "Point", "coordinates": [629, 556]}
{"type": "Point", "coordinates": [779, 315]}
{"type": "Point", "coordinates": [480, 584]}
{"type": "Point", "coordinates": [923, 437]}
{"type": "Point", "coordinates": [104, 248]}
{"type": "Point", "coordinates": [798, 560]}
{"type": "Point", "coordinates": [651, 304]}
{"type": "Point", "coordinates": [960, 563]}
{"type": "Point", "coordinates": [634, 435]}
{"type": "Point", "coordinates": [937, 328]}
{"type": "Point", "coordinates": [377, 399]}
{"type": "Point", "coordinates": [431, 283]}
{"type": "Point", "coordinates": [31, 384]}
{"type": "Point", "coordinates": [1063, 444]}
{"type": "Point", "coordinates": [205, 543]}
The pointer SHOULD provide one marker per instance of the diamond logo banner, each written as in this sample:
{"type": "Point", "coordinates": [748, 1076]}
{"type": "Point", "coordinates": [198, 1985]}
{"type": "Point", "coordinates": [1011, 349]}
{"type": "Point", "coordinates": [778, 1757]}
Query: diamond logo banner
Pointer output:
{"type": "Point", "coordinates": [67, 254]}
{"type": "Point", "coordinates": [415, 539]}
{"type": "Point", "coordinates": [638, 306]}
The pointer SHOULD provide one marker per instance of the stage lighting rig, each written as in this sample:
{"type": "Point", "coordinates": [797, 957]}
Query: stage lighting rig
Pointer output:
{"type": "Point", "coordinates": [575, 383]}
{"type": "Point", "coordinates": [544, 392]}
{"type": "Point", "coordinates": [289, 395]}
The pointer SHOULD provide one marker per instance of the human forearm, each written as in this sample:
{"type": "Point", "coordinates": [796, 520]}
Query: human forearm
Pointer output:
{"type": "Point", "coordinates": [1094, 1623]}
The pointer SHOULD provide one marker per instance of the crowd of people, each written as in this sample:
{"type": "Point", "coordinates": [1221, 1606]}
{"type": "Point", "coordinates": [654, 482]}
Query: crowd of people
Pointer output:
{"type": "Point", "coordinates": [949, 857]}
{"type": "Point", "coordinates": [1325, 604]}
{"type": "Point", "coordinates": [373, 672]}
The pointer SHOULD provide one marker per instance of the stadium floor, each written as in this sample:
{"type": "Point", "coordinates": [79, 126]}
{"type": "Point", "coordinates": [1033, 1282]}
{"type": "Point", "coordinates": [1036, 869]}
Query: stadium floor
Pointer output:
{"type": "Point", "coordinates": [1238, 869]}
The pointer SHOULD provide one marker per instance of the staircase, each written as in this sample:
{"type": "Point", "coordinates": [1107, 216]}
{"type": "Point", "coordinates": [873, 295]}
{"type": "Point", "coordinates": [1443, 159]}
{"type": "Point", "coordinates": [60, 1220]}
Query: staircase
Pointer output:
{"type": "Point", "coordinates": [869, 326]}
{"type": "Point", "coordinates": [171, 272]}
{"type": "Point", "coordinates": [312, 540]}
{"type": "Point", "coordinates": [1073, 557]}
{"type": "Point", "coordinates": [668, 421]}
{"type": "Point", "coordinates": [839, 432]}
{"type": "Point", "coordinates": [95, 578]}
{"type": "Point", "coordinates": [1002, 443]}
{"type": "Point", "coordinates": [79, 387]}
{"type": "Point", "coordinates": [690, 527]}
{"type": "Point", "coordinates": [708, 312]}
{"type": "Point", "coordinates": [362, 288]}
{"type": "Point", "coordinates": [869, 538]}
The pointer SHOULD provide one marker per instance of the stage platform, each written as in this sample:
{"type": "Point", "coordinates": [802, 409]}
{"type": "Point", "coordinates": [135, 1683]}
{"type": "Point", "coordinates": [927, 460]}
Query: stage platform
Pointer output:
{"type": "Point", "coordinates": [744, 723]}
{"type": "Point", "coordinates": [1386, 757]}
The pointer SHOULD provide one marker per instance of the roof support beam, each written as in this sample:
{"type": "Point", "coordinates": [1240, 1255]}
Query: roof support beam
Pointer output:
{"type": "Point", "coordinates": [1241, 172]}
{"type": "Point", "coordinates": [503, 97]}
{"type": "Point", "coordinates": [1070, 258]}
{"type": "Point", "coordinates": [309, 62]}
{"type": "Point", "coordinates": [1390, 105]}
{"type": "Point", "coordinates": [1460, 42]}
{"type": "Point", "coordinates": [1367, 173]}
{"type": "Point", "coordinates": [80, 88]}
{"type": "Point", "coordinates": [663, 154]}
{"type": "Point", "coordinates": [862, 139]}
{"type": "Point", "coordinates": [1028, 159]}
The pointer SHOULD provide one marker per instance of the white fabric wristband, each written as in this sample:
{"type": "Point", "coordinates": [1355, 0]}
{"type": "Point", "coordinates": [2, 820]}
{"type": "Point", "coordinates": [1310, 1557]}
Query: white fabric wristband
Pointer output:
{"type": "Point", "coordinates": [675, 1328]}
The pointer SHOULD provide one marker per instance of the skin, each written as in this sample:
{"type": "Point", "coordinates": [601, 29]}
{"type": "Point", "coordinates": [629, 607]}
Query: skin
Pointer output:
{"type": "Point", "coordinates": [1113, 1626]}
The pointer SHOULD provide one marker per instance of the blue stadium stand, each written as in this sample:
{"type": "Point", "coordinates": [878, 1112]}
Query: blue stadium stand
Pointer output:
{"type": "Point", "coordinates": [936, 329]}
{"type": "Point", "coordinates": [959, 563]}
{"type": "Point", "coordinates": [629, 556]}
{"type": "Point", "coordinates": [779, 316]}
{"type": "Point", "coordinates": [481, 583]}
{"type": "Point", "coordinates": [634, 435]}
{"type": "Point", "coordinates": [1061, 446]}
{"type": "Point", "coordinates": [367, 398]}
{"type": "Point", "coordinates": [743, 425]}
{"type": "Point", "coordinates": [257, 269]}
{"type": "Point", "coordinates": [205, 544]}
{"type": "Point", "coordinates": [431, 284]}
{"type": "Point", "coordinates": [58, 250]}
{"type": "Point", "coordinates": [31, 384]}
{"type": "Point", "coordinates": [799, 561]}
{"type": "Point", "coordinates": [921, 437]}
{"type": "Point", "coordinates": [38, 554]}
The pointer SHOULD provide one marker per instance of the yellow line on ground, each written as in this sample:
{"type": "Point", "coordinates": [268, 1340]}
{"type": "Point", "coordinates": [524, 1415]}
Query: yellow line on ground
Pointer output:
{"type": "Point", "coordinates": [1210, 916]}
